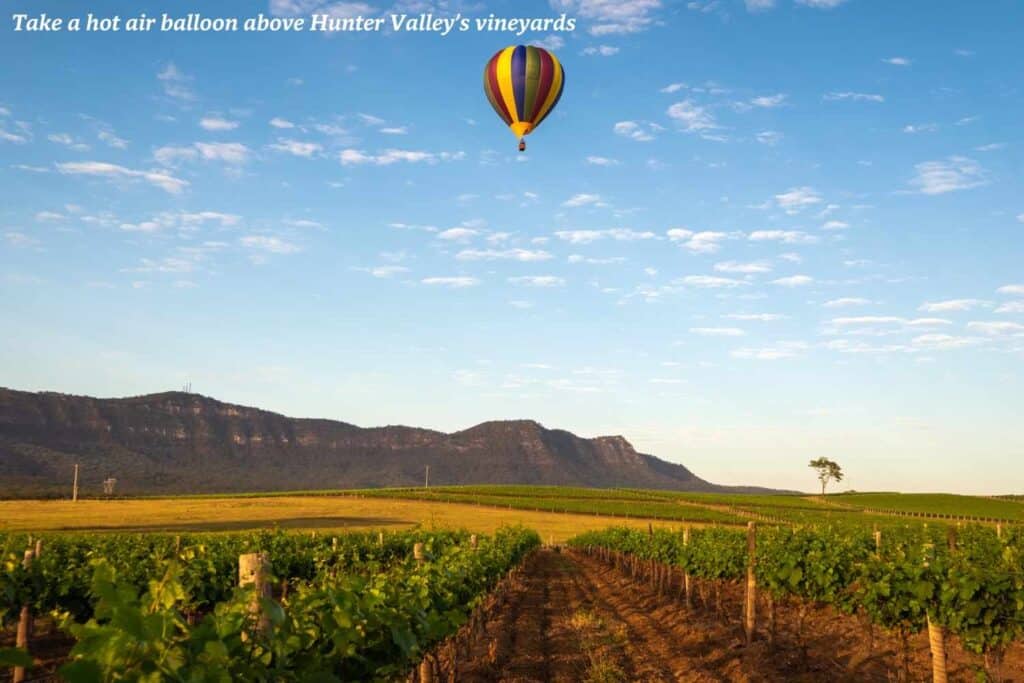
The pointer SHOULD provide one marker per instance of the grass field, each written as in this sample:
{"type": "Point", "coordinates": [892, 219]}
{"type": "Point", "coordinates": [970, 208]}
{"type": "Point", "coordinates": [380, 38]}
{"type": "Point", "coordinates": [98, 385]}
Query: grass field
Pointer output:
{"type": "Point", "coordinates": [937, 503]}
{"type": "Point", "coordinates": [556, 513]}
{"type": "Point", "coordinates": [291, 512]}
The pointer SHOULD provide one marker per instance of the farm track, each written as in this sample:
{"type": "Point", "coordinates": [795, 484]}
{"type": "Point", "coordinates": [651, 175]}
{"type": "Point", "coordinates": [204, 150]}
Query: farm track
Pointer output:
{"type": "Point", "coordinates": [570, 618]}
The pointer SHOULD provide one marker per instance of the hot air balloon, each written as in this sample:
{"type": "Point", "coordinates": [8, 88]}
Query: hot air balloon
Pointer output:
{"type": "Point", "coordinates": [523, 83]}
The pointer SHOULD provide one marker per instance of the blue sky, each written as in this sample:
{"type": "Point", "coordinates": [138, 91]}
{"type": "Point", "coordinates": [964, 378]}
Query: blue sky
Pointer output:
{"type": "Point", "coordinates": [752, 233]}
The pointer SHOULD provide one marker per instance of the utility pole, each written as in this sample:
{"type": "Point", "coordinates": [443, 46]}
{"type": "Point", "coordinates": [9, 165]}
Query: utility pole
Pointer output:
{"type": "Point", "coordinates": [426, 482]}
{"type": "Point", "coordinates": [74, 489]}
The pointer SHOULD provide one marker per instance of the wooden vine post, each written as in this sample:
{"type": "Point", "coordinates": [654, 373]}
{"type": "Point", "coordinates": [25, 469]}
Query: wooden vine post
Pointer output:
{"type": "Point", "coordinates": [750, 604]}
{"type": "Point", "coordinates": [23, 635]}
{"type": "Point", "coordinates": [937, 634]}
{"type": "Point", "coordinates": [254, 570]}
{"type": "Point", "coordinates": [427, 665]}
{"type": "Point", "coordinates": [473, 542]}
{"type": "Point", "coordinates": [687, 584]}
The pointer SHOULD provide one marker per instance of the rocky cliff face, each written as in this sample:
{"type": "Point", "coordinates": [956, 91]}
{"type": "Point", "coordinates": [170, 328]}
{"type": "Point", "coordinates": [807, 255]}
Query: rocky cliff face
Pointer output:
{"type": "Point", "coordinates": [180, 443]}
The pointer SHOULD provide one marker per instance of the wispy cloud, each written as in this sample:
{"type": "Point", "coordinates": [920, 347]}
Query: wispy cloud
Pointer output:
{"type": "Point", "coordinates": [537, 281]}
{"type": "Point", "coordinates": [617, 234]}
{"type": "Point", "coordinates": [160, 179]}
{"type": "Point", "coordinates": [853, 97]}
{"type": "Point", "coordinates": [700, 242]}
{"type": "Point", "coordinates": [217, 123]}
{"type": "Point", "coordinates": [953, 305]}
{"type": "Point", "coordinates": [611, 17]}
{"type": "Point", "coordinates": [355, 157]}
{"type": "Point", "coordinates": [950, 175]}
{"type": "Point", "coordinates": [452, 282]}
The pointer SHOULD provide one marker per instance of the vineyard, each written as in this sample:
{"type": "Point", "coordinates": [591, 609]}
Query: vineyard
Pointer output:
{"type": "Point", "coordinates": [814, 594]}
{"type": "Point", "coordinates": [358, 607]}
{"type": "Point", "coordinates": [967, 584]}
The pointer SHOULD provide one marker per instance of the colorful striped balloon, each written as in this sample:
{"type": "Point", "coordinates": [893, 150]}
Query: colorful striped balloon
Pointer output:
{"type": "Point", "coordinates": [523, 83]}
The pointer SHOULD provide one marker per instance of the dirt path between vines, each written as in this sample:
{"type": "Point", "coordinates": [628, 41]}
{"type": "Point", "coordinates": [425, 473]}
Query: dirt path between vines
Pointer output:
{"type": "Point", "coordinates": [572, 619]}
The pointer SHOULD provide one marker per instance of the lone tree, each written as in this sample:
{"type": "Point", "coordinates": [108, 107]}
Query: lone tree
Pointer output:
{"type": "Point", "coordinates": [827, 471]}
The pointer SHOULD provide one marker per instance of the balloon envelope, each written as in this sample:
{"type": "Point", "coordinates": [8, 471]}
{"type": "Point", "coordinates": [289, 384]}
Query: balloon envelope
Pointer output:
{"type": "Point", "coordinates": [523, 83]}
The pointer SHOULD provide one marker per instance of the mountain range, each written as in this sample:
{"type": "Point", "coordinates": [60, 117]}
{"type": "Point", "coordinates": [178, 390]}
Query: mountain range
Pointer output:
{"type": "Point", "coordinates": [177, 442]}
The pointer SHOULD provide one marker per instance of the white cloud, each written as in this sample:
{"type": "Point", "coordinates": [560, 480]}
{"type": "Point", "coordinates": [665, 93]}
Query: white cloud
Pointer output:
{"type": "Point", "coordinates": [600, 51]}
{"type": "Point", "coordinates": [634, 130]}
{"type": "Point", "coordinates": [537, 281]}
{"type": "Point", "coordinates": [228, 152]}
{"type": "Point", "coordinates": [6, 136]}
{"type": "Point", "coordinates": [170, 156]}
{"type": "Point", "coordinates": [1011, 307]}
{"type": "Point", "coordinates": [394, 130]}
{"type": "Point", "coordinates": [611, 17]}
{"type": "Point", "coordinates": [717, 331]}
{"type": "Point", "coordinates": [67, 141]}
{"type": "Point", "coordinates": [897, 61]}
{"type": "Point", "coordinates": [278, 122]}
{"type": "Point", "coordinates": [759, 5]}
{"type": "Point", "coordinates": [744, 268]}
{"type": "Point", "coordinates": [216, 123]}
{"type": "Point", "coordinates": [175, 83]}
{"type": "Point", "coordinates": [297, 148]}
{"type": "Point", "coordinates": [853, 97]}
{"type": "Point", "coordinates": [952, 305]}
{"type": "Point", "coordinates": [780, 351]}
{"type": "Point", "coordinates": [997, 328]}
{"type": "Point", "coordinates": [617, 234]}
{"type": "Point", "coordinates": [583, 199]}
{"type": "Point", "coordinates": [769, 137]}
{"type": "Point", "coordinates": [456, 282]}
{"type": "Point", "coordinates": [672, 88]}
{"type": "Point", "coordinates": [551, 42]}
{"type": "Point", "coordinates": [109, 137]}
{"type": "Point", "coordinates": [525, 255]}
{"type": "Point", "coordinates": [49, 216]}
{"type": "Point", "coordinates": [756, 317]}
{"type": "Point", "coordinates": [601, 161]}
{"type": "Point", "coordinates": [354, 157]}
{"type": "Point", "coordinates": [386, 271]}
{"type": "Point", "coordinates": [710, 282]}
{"type": "Point", "coordinates": [847, 301]}
{"type": "Point", "coordinates": [835, 225]}
{"type": "Point", "coordinates": [19, 240]}
{"type": "Point", "coordinates": [797, 199]}
{"type": "Point", "coordinates": [955, 173]}
{"type": "Point", "coordinates": [159, 179]}
{"type": "Point", "coordinates": [769, 101]}
{"type": "Point", "coordinates": [794, 281]}
{"type": "Point", "coordinates": [941, 342]}
{"type": "Point", "coordinates": [821, 4]}
{"type": "Point", "coordinates": [460, 234]}
{"type": "Point", "coordinates": [702, 242]}
{"type": "Point", "coordinates": [784, 236]}
{"type": "Point", "coordinates": [268, 243]}
{"type": "Point", "coordinates": [913, 129]}
{"type": "Point", "coordinates": [1013, 290]}
{"type": "Point", "coordinates": [691, 117]}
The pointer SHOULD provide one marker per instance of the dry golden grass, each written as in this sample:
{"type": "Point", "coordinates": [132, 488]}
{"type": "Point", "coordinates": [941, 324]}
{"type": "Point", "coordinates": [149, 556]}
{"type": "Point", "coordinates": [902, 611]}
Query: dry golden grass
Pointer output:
{"type": "Point", "coordinates": [290, 512]}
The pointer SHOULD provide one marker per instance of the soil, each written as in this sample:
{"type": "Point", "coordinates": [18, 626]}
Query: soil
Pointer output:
{"type": "Point", "coordinates": [568, 617]}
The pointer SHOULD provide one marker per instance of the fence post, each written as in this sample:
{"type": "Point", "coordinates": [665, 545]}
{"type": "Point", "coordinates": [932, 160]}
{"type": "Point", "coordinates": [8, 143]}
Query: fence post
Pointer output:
{"type": "Point", "coordinates": [417, 553]}
{"type": "Point", "coordinates": [254, 570]}
{"type": "Point", "coordinates": [936, 638]}
{"type": "Point", "coordinates": [24, 633]}
{"type": "Point", "coordinates": [686, 575]}
{"type": "Point", "coordinates": [750, 610]}
{"type": "Point", "coordinates": [473, 542]}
